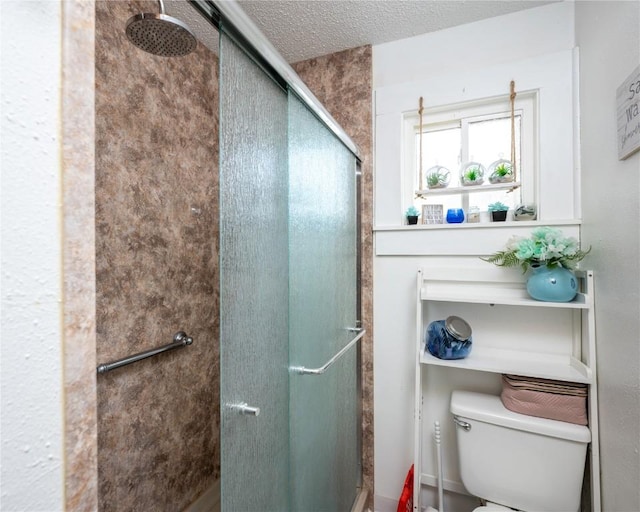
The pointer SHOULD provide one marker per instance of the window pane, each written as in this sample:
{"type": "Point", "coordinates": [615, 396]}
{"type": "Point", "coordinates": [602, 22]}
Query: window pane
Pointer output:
{"type": "Point", "coordinates": [439, 147]}
{"type": "Point", "coordinates": [447, 201]}
{"type": "Point", "coordinates": [483, 199]}
{"type": "Point", "coordinates": [490, 140]}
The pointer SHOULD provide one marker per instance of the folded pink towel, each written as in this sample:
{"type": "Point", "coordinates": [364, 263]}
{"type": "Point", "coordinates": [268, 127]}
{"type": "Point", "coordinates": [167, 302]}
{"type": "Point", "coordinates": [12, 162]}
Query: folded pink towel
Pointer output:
{"type": "Point", "coordinates": [569, 406]}
{"type": "Point", "coordinates": [547, 385]}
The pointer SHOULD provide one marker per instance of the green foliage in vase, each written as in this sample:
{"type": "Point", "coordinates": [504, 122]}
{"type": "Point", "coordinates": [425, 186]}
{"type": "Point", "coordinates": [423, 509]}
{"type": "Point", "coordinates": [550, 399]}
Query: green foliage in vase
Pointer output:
{"type": "Point", "coordinates": [472, 174]}
{"type": "Point", "coordinates": [502, 170]}
{"type": "Point", "coordinates": [546, 246]}
{"type": "Point", "coordinates": [437, 179]}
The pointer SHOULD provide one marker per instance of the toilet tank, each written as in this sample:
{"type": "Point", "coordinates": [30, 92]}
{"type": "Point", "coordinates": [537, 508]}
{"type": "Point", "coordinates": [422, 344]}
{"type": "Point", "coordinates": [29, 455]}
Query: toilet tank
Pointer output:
{"type": "Point", "coordinates": [520, 461]}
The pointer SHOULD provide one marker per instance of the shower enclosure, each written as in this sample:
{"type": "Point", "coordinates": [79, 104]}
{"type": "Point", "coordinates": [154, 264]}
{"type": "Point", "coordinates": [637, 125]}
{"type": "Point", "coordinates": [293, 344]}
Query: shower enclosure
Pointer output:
{"type": "Point", "coordinates": [288, 298]}
{"type": "Point", "coordinates": [268, 256]}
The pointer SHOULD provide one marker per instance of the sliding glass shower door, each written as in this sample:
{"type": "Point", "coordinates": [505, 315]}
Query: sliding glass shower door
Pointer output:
{"type": "Point", "coordinates": [322, 315]}
{"type": "Point", "coordinates": [288, 262]}
{"type": "Point", "coordinates": [254, 294]}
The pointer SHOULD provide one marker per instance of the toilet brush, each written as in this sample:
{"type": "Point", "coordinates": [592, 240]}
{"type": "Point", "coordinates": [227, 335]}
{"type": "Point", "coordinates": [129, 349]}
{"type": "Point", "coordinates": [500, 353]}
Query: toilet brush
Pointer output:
{"type": "Point", "coordinates": [437, 438]}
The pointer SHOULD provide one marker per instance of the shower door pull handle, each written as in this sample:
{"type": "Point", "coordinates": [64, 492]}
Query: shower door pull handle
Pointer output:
{"type": "Point", "coordinates": [302, 370]}
{"type": "Point", "coordinates": [245, 409]}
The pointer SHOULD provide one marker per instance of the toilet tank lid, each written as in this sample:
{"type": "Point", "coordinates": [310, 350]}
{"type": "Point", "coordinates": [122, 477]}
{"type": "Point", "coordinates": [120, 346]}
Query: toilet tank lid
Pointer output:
{"type": "Point", "coordinates": [489, 409]}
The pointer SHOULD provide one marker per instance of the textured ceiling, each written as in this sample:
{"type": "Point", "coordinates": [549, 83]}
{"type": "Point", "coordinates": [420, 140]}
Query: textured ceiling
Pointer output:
{"type": "Point", "coordinates": [302, 29]}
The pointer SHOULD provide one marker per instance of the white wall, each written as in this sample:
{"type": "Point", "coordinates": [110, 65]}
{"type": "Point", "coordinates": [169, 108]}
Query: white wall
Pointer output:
{"type": "Point", "coordinates": [516, 36]}
{"type": "Point", "coordinates": [31, 376]}
{"type": "Point", "coordinates": [527, 36]}
{"type": "Point", "coordinates": [608, 34]}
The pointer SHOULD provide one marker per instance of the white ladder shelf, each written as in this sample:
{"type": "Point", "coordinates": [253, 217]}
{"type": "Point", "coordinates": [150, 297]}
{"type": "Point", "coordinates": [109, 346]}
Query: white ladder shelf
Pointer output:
{"type": "Point", "coordinates": [497, 287]}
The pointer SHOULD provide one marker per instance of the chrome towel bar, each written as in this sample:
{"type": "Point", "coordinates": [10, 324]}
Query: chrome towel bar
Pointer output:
{"type": "Point", "coordinates": [180, 339]}
{"type": "Point", "coordinates": [301, 370]}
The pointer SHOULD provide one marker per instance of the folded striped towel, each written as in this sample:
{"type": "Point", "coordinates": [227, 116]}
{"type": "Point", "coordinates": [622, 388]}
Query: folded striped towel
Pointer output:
{"type": "Point", "coordinates": [546, 385]}
{"type": "Point", "coordinates": [544, 398]}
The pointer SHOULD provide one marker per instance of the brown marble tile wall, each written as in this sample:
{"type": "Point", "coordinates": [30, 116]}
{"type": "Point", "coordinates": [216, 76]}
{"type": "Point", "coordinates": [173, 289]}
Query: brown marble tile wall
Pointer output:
{"type": "Point", "coordinates": [343, 83]}
{"type": "Point", "coordinates": [156, 268]}
{"type": "Point", "coordinates": [78, 130]}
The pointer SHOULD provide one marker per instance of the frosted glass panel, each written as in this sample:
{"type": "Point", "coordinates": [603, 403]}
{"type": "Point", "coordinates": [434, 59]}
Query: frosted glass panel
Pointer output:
{"type": "Point", "coordinates": [322, 282]}
{"type": "Point", "coordinates": [253, 286]}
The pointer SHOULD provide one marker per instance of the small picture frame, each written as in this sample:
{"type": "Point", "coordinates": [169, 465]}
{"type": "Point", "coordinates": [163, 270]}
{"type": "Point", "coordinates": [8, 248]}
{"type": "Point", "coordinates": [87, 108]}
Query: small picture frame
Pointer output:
{"type": "Point", "coordinates": [432, 214]}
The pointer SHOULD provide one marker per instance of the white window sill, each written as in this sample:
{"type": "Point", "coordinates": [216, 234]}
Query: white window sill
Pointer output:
{"type": "Point", "coordinates": [475, 239]}
{"type": "Point", "coordinates": [481, 225]}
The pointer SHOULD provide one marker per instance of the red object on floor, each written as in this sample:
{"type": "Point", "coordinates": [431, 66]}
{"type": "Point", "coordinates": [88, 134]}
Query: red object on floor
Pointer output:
{"type": "Point", "coordinates": [406, 498]}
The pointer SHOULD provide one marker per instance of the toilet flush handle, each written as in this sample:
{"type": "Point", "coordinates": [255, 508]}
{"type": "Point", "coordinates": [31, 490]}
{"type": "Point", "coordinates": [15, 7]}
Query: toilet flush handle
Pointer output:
{"type": "Point", "coordinates": [463, 424]}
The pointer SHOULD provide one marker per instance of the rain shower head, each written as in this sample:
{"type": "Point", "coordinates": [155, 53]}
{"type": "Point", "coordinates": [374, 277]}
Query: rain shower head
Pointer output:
{"type": "Point", "coordinates": [160, 34]}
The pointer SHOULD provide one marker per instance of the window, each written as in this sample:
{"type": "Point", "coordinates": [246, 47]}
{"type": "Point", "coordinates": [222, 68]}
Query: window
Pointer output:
{"type": "Point", "coordinates": [455, 135]}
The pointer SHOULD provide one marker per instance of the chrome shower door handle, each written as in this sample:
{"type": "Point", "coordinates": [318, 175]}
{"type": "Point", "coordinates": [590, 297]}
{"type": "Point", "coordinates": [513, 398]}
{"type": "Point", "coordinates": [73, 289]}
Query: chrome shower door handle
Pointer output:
{"type": "Point", "coordinates": [245, 409]}
{"type": "Point", "coordinates": [302, 370]}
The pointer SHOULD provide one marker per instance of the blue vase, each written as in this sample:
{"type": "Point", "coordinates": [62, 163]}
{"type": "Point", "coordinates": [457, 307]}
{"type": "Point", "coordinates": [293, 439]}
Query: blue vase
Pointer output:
{"type": "Point", "coordinates": [455, 215]}
{"type": "Point", "coordinates": [555, 284]}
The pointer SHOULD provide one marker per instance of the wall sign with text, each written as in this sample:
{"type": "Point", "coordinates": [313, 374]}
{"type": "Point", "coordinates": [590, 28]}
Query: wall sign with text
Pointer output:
{"type": "Point", "coordinates": [628, 112]}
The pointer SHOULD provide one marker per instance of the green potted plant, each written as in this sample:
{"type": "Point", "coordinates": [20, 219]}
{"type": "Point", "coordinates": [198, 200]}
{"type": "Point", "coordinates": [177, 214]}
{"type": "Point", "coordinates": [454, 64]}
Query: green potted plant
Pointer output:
{"type": "Point", "coordinates": [498, 211]}
{"type": "Point", "coordinates": [501, 172]}
{"type": "Point", "coordinates": [472, 174]}
{"type": "Point", "coordinates": [438, 177]}
{"type": "Point", "coordinates": [412, 215]}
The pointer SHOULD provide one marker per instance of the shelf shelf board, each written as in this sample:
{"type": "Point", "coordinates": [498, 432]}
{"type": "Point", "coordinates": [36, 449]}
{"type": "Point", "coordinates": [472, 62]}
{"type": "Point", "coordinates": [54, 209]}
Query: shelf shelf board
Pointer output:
{"type": "Point", "coordinates": [528, 364]}
{"type": "Point", "coordinates": [471, 188]}
{"type": "Point", "coordinates": [494, 293]}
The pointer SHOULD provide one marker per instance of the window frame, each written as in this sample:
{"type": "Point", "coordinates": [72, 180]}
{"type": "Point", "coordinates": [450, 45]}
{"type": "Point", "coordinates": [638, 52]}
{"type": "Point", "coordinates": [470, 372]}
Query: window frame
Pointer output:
{"type": "Point", "coordinates": [460, 115]}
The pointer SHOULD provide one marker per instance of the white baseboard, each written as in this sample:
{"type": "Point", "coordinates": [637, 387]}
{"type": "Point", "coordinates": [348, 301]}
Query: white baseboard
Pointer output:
{"type": "Point", "coordinates": [384, 504]}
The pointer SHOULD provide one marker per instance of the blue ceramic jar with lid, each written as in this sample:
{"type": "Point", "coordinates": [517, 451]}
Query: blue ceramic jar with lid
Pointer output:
{"type": "Point", "coordinates": [449, 339]}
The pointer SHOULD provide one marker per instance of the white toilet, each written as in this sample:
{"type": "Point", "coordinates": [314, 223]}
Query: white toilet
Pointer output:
{"type": "Point", "coordinates": [516, 461]}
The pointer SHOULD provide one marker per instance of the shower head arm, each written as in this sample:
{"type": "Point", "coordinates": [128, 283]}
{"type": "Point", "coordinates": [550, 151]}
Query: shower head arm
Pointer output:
{"type": "Point", "coordinates": [161, 6]}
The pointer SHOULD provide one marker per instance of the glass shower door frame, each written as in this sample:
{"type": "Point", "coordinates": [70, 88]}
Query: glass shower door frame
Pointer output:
{"type": "Point", "coordinates": [240, 411]}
